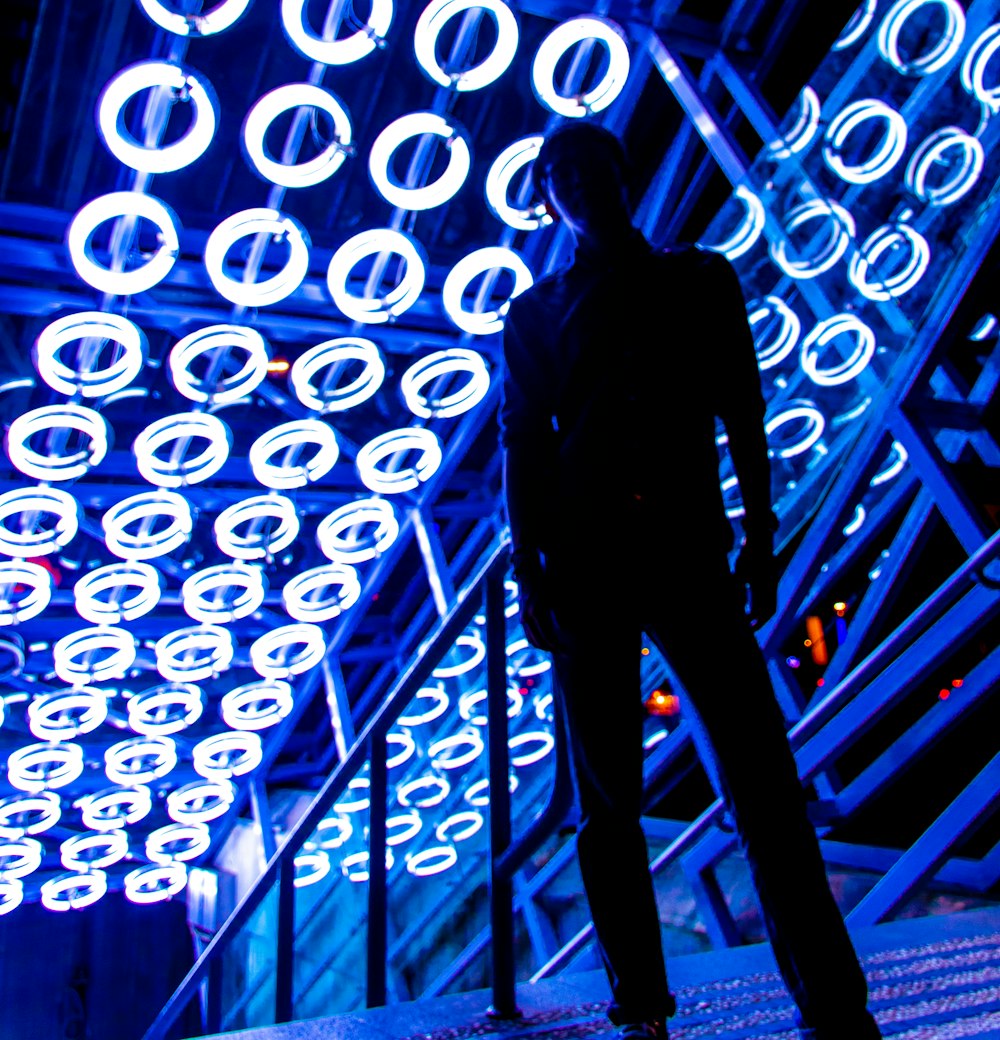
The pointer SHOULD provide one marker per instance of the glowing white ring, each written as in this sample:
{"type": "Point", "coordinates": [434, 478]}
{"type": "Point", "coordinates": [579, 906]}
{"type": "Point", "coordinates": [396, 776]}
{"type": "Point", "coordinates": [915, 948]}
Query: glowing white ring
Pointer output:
{"type": "Point", "coordinates": [428, 196]}
{"type": "Point", "coordinates": [555, 45]}
{"type": "Point", "coordinates": [825, 332]}
{"type": "Point", "coordinates": [11, 894]}
{"type": "Point", "coordinates": [333, 355]}
{"type": "Point", "coordinates": [164, 710]}
{"type": "Point", "coordinates": [888, 238]}
{"type": "Point", "coordinates": [193, 654]}
{"type": "Point", "coordinates": [469, 739]}
{"type": "Point", "coordinates": [431, 861]}
{"type": "Point", "coordinates": [186, 426]}
{"type": "Point", "coordinates": [73, 853]}
{"type": "Point", "coordinates": [305, 599]}
{"type": "Point", "coordinates": [100, 594]}
{"type": "Point", "coordinates": [525, 671]}
{"type": "Point", "coordinates": [774, 352]}
{"type": "Point", "coordinates": [283, 99]}
{"type": "Point", "coordinates": [469, 639]}
{"type": "Point", "coordinates": [39, 767]}
{"type": "Point", "coordinates": [15, 577]}
{"type": "Point", "coordinates": [360, 859]}
{"type": "Point", "coordinates": [403, 827]}
{"type": "Point", "coordinates": [433, 19]}
{"type": "Point", "coordinates": [139, 760]}
{"type": "Point", "coordinates": [359, 783]}
{"type": "Point", "coordinates": [974, 68]}
{"type": "Point", "coordinates": [857, 26]}
{"type": "Point", "coordinates": [467, 822]}
{"type": "Point", "coordinates": [857, 521]}
{"type": "Point", "coordinates": [258, 221]}
{"type": "Point", "coordinates": [408, 744]}
{"type": "Point", "coordinates": [885, 156]}
{"type": "Point", "coordinates": [930, 156]}
{"type": "Point", "coordinates": [745, 236]}
{"type": "Point", "coordinates": [19, 857]}
{"type": "Point", "coordinates": [215, 20]}
{"type": "Point", "coordinates": [271, 657]}
{"type": "Point", "coordinates": [374, 311]}
{"type": "Point", "coordinates": [43, 806]}
{"type": "Point", "coordinates": [405, 792]}
{"type": "Point", "coordinates": [477, 794]}
{"type": "Point", "coordinates": [257, 705]}
{"type": "Point", "coordinates": [224, 593]}
{"type": "Point", "coordinates": [224, 755]}
{"type": "Point", "coordinates": [431, 693]}
{"type": "Point", "coordinates": [155, 884]}
{"type": "Point", "coordinates": [337, 533]}
{"type": "Point", "coordinates": [57, 418]}
{"type": "Point", "coordinates": [391, 445]}
{"type": "Point", "coordinates": [114, 809]}
{"type": "Point", "coordinates": [803, 131]}
{"type": "Point", "coordinates": [893, 468]}
{"type": "Point", "coordinates": [797, 412]}
{"type": "Point", "coordinates": [169, 81]}
{"type": "Point", "coordinates": [344, 831]}
{"type": "Point", "coordinates": [62, 716]}
{"type": "Point", "coordinates": [939, 55]}
{"type": "Point", "coordinates": [194, 839]}
{"type": "Point", "coordinates": [149, 543]}
{"type": "Point", "coordinates": [290, 439]}
{"type": "Point", "coordinates": [508, 163]}
{"type": "Point", "coordinates": [200, 801]}
{"type": "Point", "coordinates": [437, 365]}
{"type": "Point", "coordinates": [543, 707]}
{"type": "Point", "coordinates": [841, 227]}
{"type": "Point", "coordinates": [474, 264]}
{"type": "Point", "coordinates": [310, 866]}
{"type": "Point", "coordinates": [73, 891]}
{"type": "Point", "coordinates": [545, 741]}
{"type": "Point", "coordinates": [93, 655]}
{"type": "Point", "coordinates": [31, 501]}
{"type": "Point", "coordinates": [79, 328]}
{"type": "Point", "coordinates": [219, 341]}
{"type": "Point", "coordinates": [115, 206]}
{"type": "Point", "coordinates": [337, 51]}
{"type": "Point", "coordinates": [260, 541]}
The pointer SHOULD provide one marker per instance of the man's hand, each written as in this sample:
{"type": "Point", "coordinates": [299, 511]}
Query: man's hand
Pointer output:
{"type": "Point", "coordinates": [757, 568]}
{"type": "Point", "coordinates": [537, 619]}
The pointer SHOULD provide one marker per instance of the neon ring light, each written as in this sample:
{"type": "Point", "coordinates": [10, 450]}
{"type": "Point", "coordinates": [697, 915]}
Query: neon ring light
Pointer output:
{"type": "Point", "coordinates": [175, 82]}
{"type": "Point", "coordinates": [857, 26]}
{"type": "Point", "coordinates": [259, 221]}
{"type": "Point", "coordinates": [139, 760]}
{"type": "Point", "coordinates": [93, 851]}
{"type": "Point", "coordinates": [459, 826]}
{"type": "Point", "coordinates": [311, 866]}
{"type": "Point", "coordinates": [321, 593]}
{"type": "Point", "coordinates": [417, 124]}
{"type": "Point", "coordinates": [200, 801]}
{"type": "Point", "coordinates": [805, 419]}
{"type": "Point", "coordinates": [355, 805]}
{"type": "Point", "coordinates": [827, 331]}
{"type": "Point", "coordinates": [62, 716]}
{"type": "Point", "coordinates": [889, 151]}
{"type": "Point", "coordinates": [890, 241]}
{"type": "Point", "coordinates": [774, 350]}
{"type": "Point", "coordinates": [505, 166]}
{"type": "Point", "coordinates": [38, 767]}
{"type": "Point", "coordinates": [467, 663]}
{"type": "Point", "coordinates": [544, 743]}
{"type": "Point", "coordinates": [803, 130]}
{"type": "Point", "coordinates": [223, 593]}
{"type": "Point", "coordinates": [90, 381]}
{"type": "Point", "coordinates": [25, 590]}
{"type": "Point", "coordinates": [288, 439]}
{"type": "Point", "coordinates": [402, 827]}
{"type": "Point", "coordinates": [555, 45]}
{"type": "Point", "coordinates": [51, 418]}
{"type": "Point", "coordinates": [273, 654]}
{"type": "Point", "coordinates": [273, 526]}
{"type": "Point", "coordinates": [22, 814]}
{"type": "Point", "coordinates": [177, 842]}
{"type": "Point", "coordinates": [746, 234]}
{"type": "Point", "coordinates": [440, 706]}
{"type": "Point", "coordinates": [164, 710]}
{"type": "Point", "coordinates": [31, 502]}
{"type": "Point", "coordinates": [391, 444]}
{"type": "Point", "coordinates": [227, 754]}
{"type": "Point", "coordinates": [340, 535]}
{"type": "Point", "coordinates": [341, 51]}
{"type": "Point", "coordinates": [895, 464]}
{"type": "Point", "coordinates": [73, 891]}
{"type": "Point", "coordinates": [342, 828]}
{"type": "Point", "coordinates": [441, 364]}
{"type": "Point", "coordinates": [371, 243]}
{"type": "Point", "coordinates": [403, 740]}
{"type": "Point", "coordinates": [147, 510]}
{"type": "Point", "coordinates": [922, 172]}
{"type": "Point", "coordinates": [187, 426]}
{"type": "Point", "coordinates": [257, 705]}
{"type": "Point", "coordinates": [154, 884]}
{"type": "Point", "coordinates": [219, 341]}
{"type": "Point", "coordinates": [101, 594]}
{"type": "Point", "coordinates": [424, 792]}
{"type": "Point", "coordinates": [11, 894]}
{"type": "Point", "coordinates": [113, 809]}
{"type": "Point", "coordinates": [841, 228]}
{"type": "Point", "coordinates": [193, 654]}
{"type": "Point", "coordinates": [93, 655]}
{"type": "Point", "coordinates": [433, 19]}
{"type": "Point", "coordinates": [479, 261]}
{"type": "Point", "coordinates": [974, 68]}
{"type": "Point", "coordinates": [441, 752]}
{"type": "Point", "coordinates": [284, 99]}
{"type": "Point", "coordinates": [19, 857]}
{"type": "Point", "coordinates": [116, 205]}
{"type": "Point", "coordinates": [939, 55]}
{"type": "Point", "coordinates": [215, 20]}
{"type": "Point", "coordinates": [330, 358]}
{"type": "Point", "coordinates": [429, 862]}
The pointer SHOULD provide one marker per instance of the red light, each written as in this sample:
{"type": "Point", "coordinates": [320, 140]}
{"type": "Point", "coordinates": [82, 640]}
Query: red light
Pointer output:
{"type": "Point", "coordinates": [958, 683]}
{"type": "Point", "coordinates": [944, 694]}
{"type": "Point", "coordinates": [662, 702]}
{"type": "Point", "coordinates": [524, 690]}
{"type": "Point", "coordinates": [821, 682]}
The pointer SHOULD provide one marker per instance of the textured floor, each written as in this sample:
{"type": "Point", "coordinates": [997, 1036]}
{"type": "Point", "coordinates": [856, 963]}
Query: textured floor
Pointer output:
{"type": "Point", "coordinates": [936, 978]}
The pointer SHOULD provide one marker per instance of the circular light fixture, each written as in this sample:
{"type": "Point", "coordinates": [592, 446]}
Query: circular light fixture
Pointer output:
{"type": "Point", "coordinates": [375, 310]}
{"type": "Point", "coordinates": [331, 358]}
{"type": "Point", "coordinates": [807, 422]}
{"type": "Point", "coordinates": [25, 590]}
{"type": "Point", "coordinates": [804, 129]}
{"type": "Point", "coordinates": [93, 851]}
{"type": "Point", "coordinates": [223, 593]}
{"type": "Point", "coordinates": [180, 469]}
{"type": "Point", "coordinates": [322, 593]}
{"type": "Point", "coordinates": [441, 365]}
{"type": "Point", "coordinates": [273, 526]}
{"type": "Point", "coordinates": [826, 332]}
{"type": "Point", "coordinates": [433, 19]}
{"type": "Point", "coordinates": [155, 884]}
{"type": "Point", "coordinates": [505, 166]}
{"type": "Point", "coordinates": [193, 654]}
{"type": "Point", "coordinates": [113, 809]}
{"type": "Point", "coordinates": [857, 26]}
{"type": "Point", "coordinates": [219, 342]}
{"type": "Point", "coordinates": [429, 862]}
{"type": "Point", "coordinates": [289, 440]}
{"type": "Point", "coordinates": [139, 760]}
{"type": "Point", "coordinates": [225, 755]}
{"type": "Point", "coordinates": [22, 814]}
{"type": "Point", "coordinates": [474, 264]}
{"type": "Point", "coordinates": [274, 654]}
{"type": "Point", "coordinates": [83, 329]}
{"type": "Point", "coordinates": [974, 67]}
{"type": "Point", "coordinates": [358, 531]}
{"type": "Point", "coordinates": [459, 826]}
{"type": "Point", "coordinates": [339, 51]}
{"type": "Point", "coordinates": [63, 716]}
{"type": "Point", "coordinates": [101, 594]}
{"type": "Point", "coordinates": [93, 655]}
{"type": "Point", "coordinates": [933, 156]}
{"type": "Point", "coordinates": [932, 60]}
{"type": "Point", "coordinates": [164, 710]}
{"type": "Point", "coordinates": [40, 767]}
{"type": "Point", "coordinates": [59, 420]}
{"type": "Point", "coordinates": [177, 842]}
{"type": "Point", "coordinates": [840, 232]}
{"type": "Point", "coordinates": [215, 20]}
{"type": "Point", "coordinates": [775, 349]}
{"type": "Point", "coordinates": [153, 538]}
{"type": "Point", "coordinates": [390, 446]}
{"type": "Point", "coordinates": [29, 504]}
{"type": "Point", "coordinates": [200, 801]}
{"type": "Point", "coordinates": [19, 857]}
{"type": "Point", "coordinates": [257, 705]}
{"type": "Point", "coordinates": [745, 236]}
{"type": "Point", "coordinates": [73, 891]}
{"type": "Point", "coordinates": [890, 148]}
{"type": "Point", "coordinates": [891, 241]}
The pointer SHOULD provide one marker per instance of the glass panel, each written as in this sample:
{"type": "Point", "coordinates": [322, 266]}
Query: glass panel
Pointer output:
{"type": "Point", "coordinates": [248, 966]}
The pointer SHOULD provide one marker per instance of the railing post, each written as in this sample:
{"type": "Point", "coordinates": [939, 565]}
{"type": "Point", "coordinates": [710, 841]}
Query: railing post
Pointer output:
{"type": "Point", "coordinates": [377, 889]}
{"type": "Point", "coordinates": [213, 1001]}
{"type": "Point", "coordinates": [501, 884]}
{"type": "Point", "coordinates": [285, 968]}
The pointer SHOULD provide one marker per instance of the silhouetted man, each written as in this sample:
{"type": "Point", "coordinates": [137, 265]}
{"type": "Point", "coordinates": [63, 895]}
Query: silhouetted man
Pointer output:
{"type": "Point", "coordinates": [617, 368]}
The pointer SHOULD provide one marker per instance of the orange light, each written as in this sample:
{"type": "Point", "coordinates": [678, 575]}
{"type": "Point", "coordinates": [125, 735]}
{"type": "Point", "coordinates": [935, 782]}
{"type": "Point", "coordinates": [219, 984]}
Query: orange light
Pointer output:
{"type": "Point", "coordinates": [661, 702]}
{"type": "Point", "coordinates": [840, 609]}
{"type": "Point", "coordinates": [807, 642]}
{"type": "Point", "coordinates": [958, 683]}
{"type": "Point", "coordinates": [278, 365]}
{"type": "Point", "coordinates": [817, 640]}
{"type": "Point", "coordinates": [645, 651]}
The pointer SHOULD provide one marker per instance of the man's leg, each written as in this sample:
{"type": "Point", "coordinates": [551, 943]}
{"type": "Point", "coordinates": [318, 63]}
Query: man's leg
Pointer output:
{"type": "Point", "coordinates": [704, 634]}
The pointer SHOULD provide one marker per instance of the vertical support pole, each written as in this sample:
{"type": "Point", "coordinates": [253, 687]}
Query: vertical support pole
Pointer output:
{"type": "Point", "coordinates": [285, 970]}
{"type": "Point", "coordinates": [501, 884]}
{"type": "Point", "coordinates": [213, 1001]}
{"type": "Point", "coordinates": [377, 886]}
